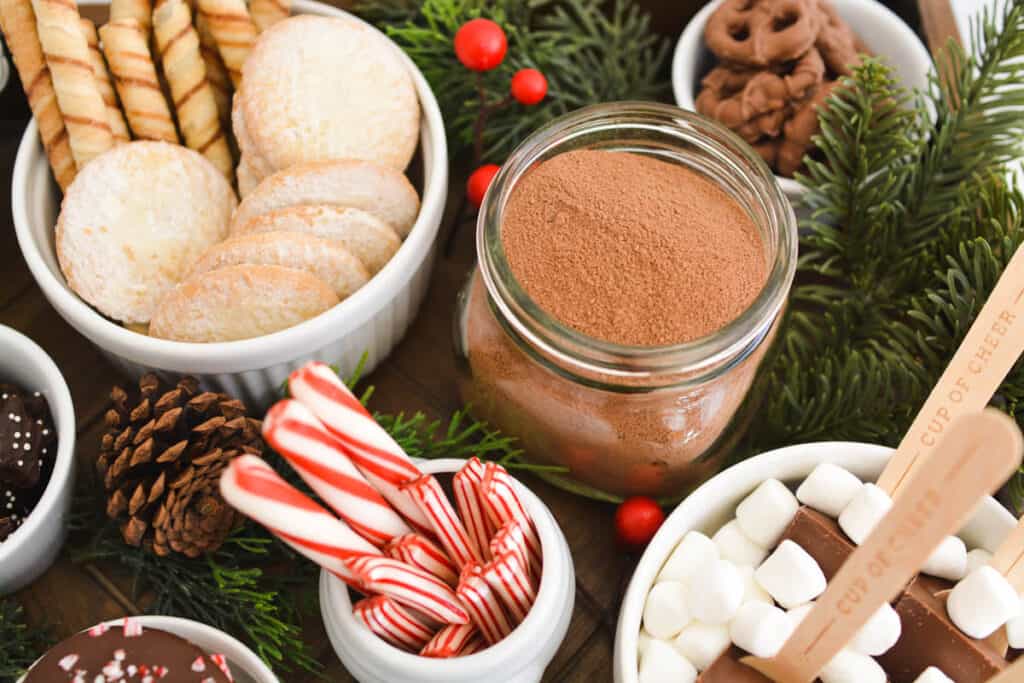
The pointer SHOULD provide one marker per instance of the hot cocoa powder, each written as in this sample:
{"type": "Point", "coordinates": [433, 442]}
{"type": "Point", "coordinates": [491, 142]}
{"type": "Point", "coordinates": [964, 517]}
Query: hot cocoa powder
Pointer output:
{"type": "Point", "coordinates": [630, 249]}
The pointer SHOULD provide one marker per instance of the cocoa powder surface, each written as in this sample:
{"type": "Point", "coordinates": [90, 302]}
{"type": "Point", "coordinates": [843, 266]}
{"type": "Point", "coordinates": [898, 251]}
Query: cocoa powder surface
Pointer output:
{"type": "Point", "coordinates": [630, 249]}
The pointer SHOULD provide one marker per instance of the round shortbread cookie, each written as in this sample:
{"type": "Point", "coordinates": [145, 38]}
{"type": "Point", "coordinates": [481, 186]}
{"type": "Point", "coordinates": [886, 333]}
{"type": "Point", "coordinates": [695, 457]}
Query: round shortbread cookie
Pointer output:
{"type": "Point", "coordinates": [133, 222]}
{"type": "Point", "coordinates": [369, 238]}
{"type": "Point", "coordinates": [329, 261]}
{"type": "Point", "coordinates": [379, 190]}
{"type": "Point", "coordinates": [259, 167]}
{"type": "Point", "coordinates": [319, 88]}
{"type": "Point", "coordinates": [240, 302]}
{"type": "Point", "coordinates": [247, 177]}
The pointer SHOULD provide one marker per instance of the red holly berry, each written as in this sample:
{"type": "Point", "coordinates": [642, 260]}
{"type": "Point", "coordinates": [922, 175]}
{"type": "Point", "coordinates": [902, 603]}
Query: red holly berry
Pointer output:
{"type": "Point", "coordinates": [529, 86]}
{"type": "Point", "coordinates": [476, 186]}
{"type": "Point", "coordinates": [636, 521]}
{"type": "Point", "coordinates": [480, 44]}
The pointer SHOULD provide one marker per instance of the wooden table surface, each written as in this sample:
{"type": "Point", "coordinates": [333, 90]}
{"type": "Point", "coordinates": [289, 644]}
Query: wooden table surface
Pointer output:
{"type": "Point", "coordinates": [418, 376]}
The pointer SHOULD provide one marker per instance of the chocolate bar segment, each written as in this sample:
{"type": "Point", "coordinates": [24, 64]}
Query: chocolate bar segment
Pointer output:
{"type": "Point", "coordinates": [728, 669]}
{"type": "Point", "coordinates": [821, 537]}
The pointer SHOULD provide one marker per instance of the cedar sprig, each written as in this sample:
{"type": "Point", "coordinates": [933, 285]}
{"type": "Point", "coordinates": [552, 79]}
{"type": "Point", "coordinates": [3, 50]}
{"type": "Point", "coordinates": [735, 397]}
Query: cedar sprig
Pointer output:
{"type": "Point", "coordinates": [20, 644]}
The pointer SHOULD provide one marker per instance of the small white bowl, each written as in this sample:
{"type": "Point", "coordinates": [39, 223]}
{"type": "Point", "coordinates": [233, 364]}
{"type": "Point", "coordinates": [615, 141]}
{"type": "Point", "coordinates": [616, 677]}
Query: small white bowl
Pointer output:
{"type": "Point", "coordinates": [371, 321]}
{"type": "Point", "coordinates": [246, 667]}
{"type": "Point", "coordinates": [31, 549]}
{"type": "Point", "coordinates": [714, 504]}
{"type": "Point", "coordinates": [882, 31]}
{"type": "Point", "coordinates": [522, 657]}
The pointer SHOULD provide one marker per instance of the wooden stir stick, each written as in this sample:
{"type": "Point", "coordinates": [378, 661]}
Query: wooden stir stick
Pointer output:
{"type": "Point", "coordinates": [979, 452]}
{"type": "Point", "coordinates": [1012, 674]}
{"type": "Point", "coordinates": [1008, 561]}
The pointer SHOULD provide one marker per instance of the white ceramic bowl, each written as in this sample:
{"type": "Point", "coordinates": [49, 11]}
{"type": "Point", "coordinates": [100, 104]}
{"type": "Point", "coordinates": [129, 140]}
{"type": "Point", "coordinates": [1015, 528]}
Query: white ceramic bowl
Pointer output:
{"type": "Point", "coordinates": [519, 658]}
{"type": "Point", "coordinates": [31, 549]}
{"type": "Point", "coordinates": [371, 321]}
{"type": "Point", "coordinates": [246, 667]}
{"type": "Point", "coordinates": [714, 504]}
{"type": "Point", "coordinates": [884, 33]}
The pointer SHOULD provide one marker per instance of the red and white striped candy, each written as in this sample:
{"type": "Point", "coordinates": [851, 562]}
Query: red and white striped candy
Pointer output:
{"type": "Point", "coordinates": [503, 505]}
{"type": "Point", "coordinates": [467, 485]}
{"type": "Point", "coordinates": [475, 644]}
{"type": "Point", "coordinates": [295, 432]}
{"type": "Point", "coordinates": [253, 488]}
{"type": "Point", "coordinates": [392, 622]}
{"type": "Point", "coordinates": [447, 526]}
{"type": "Point", "coordinates": [420, 552]}
{"type": "Point", "coordinates": [409, 586]}
{"type": "Point", "coordinates": [511, 581]}
{"type": "Point", "coordinates": [510, 538]}
{"type": "Point", "coordinates": [382, 461]}
{"type": "Point", "coordinates": [483, 605]}
{"type": "Point", "coordinates": [450, 641]}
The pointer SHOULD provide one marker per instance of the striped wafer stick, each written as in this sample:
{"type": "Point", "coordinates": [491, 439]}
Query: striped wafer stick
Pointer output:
{"type": "Point", "coordinates": [139, 10]}
{"type": "Point", "coordinates": [447, 526]}
{"type": "Point", "coordinates": [78, 96]}
{"type": "Point", "coordinates": [233, 30]}
{"type": "Point", "coordinates": [216, 72]}
{"type": "Point", "coordinates": [382, 461]}
{"type": "Point", "coordinates": [266, 13]}
{"type": "Point", "coordinates": [409, 586]}
{"type": "Point", "coordinates": [467, 485]}
{"type": "Point", "coordinates": [127, 51]}
{"type": "Point", "coordinates": [503, 504]}
{"type": "Point", "coordinates": [511, 581]}
{"type": "Point", "coordinates": [511, 538]}
{"type": "Point", "coordinates": [420, 552]}
{"type": "Point", "coordinates": [18, 22]}
{"type": "Point", "coordinates": [253, 488]}
{"type": "Point", "coordinates": [118, 128]}
{"type": "Point", "coordinates": [309, 448]}
{"type": "Point", "coordinates": [393, 623]}
{"type": "Point", "coordinates": [450, 641]}
{"type": "Point", "coordinates": [483, 605]}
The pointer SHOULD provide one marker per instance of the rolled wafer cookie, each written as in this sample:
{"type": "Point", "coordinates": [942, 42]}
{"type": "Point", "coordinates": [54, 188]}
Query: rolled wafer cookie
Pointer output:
{"type": "Point", "coordinates": [139, 10]}
{"type": "Point", "coordinates": [118, 127]}
{"type": "Point", "coordinates": [127, 51]}
{"type": "Point", "coordinates": [233, 30]}
{"type": "Point", "coordinates": [240, 302]}
{"type": "Point", "coordinates": [18, 22]}
{"type": "Point", "coordinates": [78, 96]}
{"type": "Point", "coordinates": [266, 13]}
{"type": "Point", "coordinates": [198, 118]}
{"type": "Point", "coordinates": [216, 72]}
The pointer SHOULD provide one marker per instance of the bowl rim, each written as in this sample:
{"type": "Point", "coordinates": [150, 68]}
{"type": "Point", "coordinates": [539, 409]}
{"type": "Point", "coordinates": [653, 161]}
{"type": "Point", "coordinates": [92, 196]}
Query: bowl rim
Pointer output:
{"type": "Point", "coordinates": [691, 42]}
{"type": "Point", "coordinates": [62, 409]}
{"type": "Point", "coordinates": [284, 345]}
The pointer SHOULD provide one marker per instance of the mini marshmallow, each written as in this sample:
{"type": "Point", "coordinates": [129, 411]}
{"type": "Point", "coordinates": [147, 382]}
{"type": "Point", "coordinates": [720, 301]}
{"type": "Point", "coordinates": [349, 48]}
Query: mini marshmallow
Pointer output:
{"type": "Point", "coordinates": [665, 613]}
{"type": "Point", "coordinates": [977, 558]}
{"type": "Point", "coordinates": [703, 643]}
{"type": "Point", "coordinates": [716, 592]}
{"type": "Point", "coordinates": [692, 553]}
{"type": "Point", "coordinates": [797, 615]}
{"type": "Point", "coordinates": [864, 512]}
{"type": "Point", "coordinates": [760, 629]}
{"type": "Point", "coordinates": [933, 675]}
{"type": "Point", "coordinates": [735, 546]}
{"type": "Point", "coordinates": [791, 576]}
{"type": "Point", "coordinates": [982, 602]}
{"type": "Point", "coordinates": [753, 590]}
{"type": "Point", "coordinates": [765, 513]}
{"type": "Point", "coordinates": [662, 663]}
{"type": "Point", "coordinates": [828, 489]}
{"type": "Point", "coordinates": [852, 667]}
{"type": "Point", "coordinates": [1015, 629]}
{"type": "Point", "coordinates": [879, 633]}
{"type": "Point", "coordinates": [948, 560]}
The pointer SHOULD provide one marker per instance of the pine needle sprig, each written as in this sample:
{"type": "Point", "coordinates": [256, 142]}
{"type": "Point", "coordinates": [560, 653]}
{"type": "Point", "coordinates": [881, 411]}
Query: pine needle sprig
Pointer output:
{"type": "Point", "coordinates": [20, 644]}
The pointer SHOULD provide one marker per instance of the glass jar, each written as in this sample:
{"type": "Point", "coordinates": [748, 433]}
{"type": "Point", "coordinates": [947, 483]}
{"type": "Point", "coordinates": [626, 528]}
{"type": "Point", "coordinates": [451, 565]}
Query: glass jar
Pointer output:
{"type": "Point", "coordinates": [622, 420]}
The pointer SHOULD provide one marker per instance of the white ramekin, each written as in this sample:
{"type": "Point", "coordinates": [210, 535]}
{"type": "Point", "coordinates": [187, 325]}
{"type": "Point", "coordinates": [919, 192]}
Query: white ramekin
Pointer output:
{"type": "Point", "coordinates": [246, 667]}
{"type": "Point", "coordinates": [882, 31]}
{"type": "Point", "coordinates": [370, 322]}
{"type": "Point", "coordinates": [714, 503]}
{"type": "Point", "coordinates": [519, 658]}
{"type": "Point", "coordinates": [30, 550]}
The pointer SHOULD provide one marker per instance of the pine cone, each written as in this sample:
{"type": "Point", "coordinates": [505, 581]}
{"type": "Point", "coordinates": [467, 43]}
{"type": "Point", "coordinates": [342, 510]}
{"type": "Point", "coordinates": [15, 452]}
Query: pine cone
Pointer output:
{"type": "Point", "coordinates": [161, 459]}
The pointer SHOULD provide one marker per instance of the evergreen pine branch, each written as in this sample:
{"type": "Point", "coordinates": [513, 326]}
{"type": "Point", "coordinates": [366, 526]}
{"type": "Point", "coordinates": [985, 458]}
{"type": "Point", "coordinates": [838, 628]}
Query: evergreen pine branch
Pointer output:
{"type": "Point", "coordinates": [20, 644]}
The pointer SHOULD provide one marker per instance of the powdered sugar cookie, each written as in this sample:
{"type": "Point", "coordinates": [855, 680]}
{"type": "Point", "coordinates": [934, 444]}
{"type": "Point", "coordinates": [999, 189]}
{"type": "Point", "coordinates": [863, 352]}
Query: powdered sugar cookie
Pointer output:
{"type": "Point", "coordinates": [133, 222]}
{"type": "Point", "coordinates": [246, 176]}
{"type": "Point", "coordinates": [259, 167]}
{"type": "Point", "coordinates": [240, 302]}
{"type": "Point", "coordinates": [379, 190]}
{"type": "Point", "coordinates": [329, 261]}
{"type": "Point", "coordinates": [320, 88]}
{"type": "Point", "coordinates": [369, 238]}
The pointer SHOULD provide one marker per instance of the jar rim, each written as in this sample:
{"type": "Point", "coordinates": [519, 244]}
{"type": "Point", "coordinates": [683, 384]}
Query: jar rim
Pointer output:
{"type": "Point", "coordinates": [587, 354]}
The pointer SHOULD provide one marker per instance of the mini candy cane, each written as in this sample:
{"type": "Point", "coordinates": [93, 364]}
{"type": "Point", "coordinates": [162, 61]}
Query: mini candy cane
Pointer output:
{"type": "Point", "coordinates": [382, 461]}
{"type": "Point", "coordinates": [253, 488]}
{"type": "Point", "coordinates": [510, 538]}
{"type": "Point", "coordinates": [475, 644]}
{"type": "Point", "coordinates": [503, 504]}
{"type": "Point", "coordinates": [409, 586]}
{"type": "Point", "coordinates": [450, 641]}
{"type": "Point", "coordinates": [420, 552]}
{"type": "Point", "coordinates": [429, 495]}
{"type": "Point", "coordinates": [511, 581]}
{"type": "Point", "coordinates": [316, 455]}
{"type": "Point", "coordinates": [392, 622]}
{"type": "Point", "coordinates": [483, 605]}
{"type": "Point", "coordinates": [467, 484]}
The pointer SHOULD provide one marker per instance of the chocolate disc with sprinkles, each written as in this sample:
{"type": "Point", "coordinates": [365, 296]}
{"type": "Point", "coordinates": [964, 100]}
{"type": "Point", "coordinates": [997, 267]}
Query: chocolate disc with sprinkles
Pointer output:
{"type": "Point", "coordinates": [28, 445]}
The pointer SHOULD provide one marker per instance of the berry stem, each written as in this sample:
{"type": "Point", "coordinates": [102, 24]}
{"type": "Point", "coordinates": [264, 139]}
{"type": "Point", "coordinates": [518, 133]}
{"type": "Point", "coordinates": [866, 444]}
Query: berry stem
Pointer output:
{"type": "Point", "coordinates": [481, 118]}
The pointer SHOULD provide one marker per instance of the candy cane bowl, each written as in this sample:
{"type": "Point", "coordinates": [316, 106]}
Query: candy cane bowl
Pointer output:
{"type": "Point", "coordinates": [521, 657]}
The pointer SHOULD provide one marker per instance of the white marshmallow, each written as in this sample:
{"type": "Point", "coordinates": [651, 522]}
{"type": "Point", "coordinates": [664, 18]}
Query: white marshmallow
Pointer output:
{"type": "Point", "coordinates": [643, 640]}
{"type": "Point", "coordinates": [735, 546]}
{"type": "Point", "coordinates": [879, 633]}
{"type": "Point", "coordinates": [864, 512]}
{"type": "Point", "coordinates": [977, 558]}
{"type": "Point", "coordinates": [1015, 629]}
{"type": "Point", "coordinates": [798, 614]}
{"type": "Point", "coordinates": [982, 602]}
{"type": "Point", "coordinates": [716, 592]}
{"type": "Point", "coordinates": [692, 553]}
{"type": "Point", "coordinates": [703, 643]}
{"type": "Point", "coordinates": [760, 629]}
{"type": "Point", "coordinates": [765, 513]}
{"type": "Point", "coordinates": [791, 576]}
{"type": "Point", "coordinates": [828, 489]}
{"type": "Point", "coordinates": [752, 589]}
{"type": "Point", "coordinates": [662, 663]}
{"type": "Point", "coordinates": [666, 613]}
{"type": "Point", "coordinates": [933, 675]}
{"type": "Point", "coordinates": [948, 560]}
{"type": "Point", "coordinates": [852, 667]}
